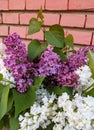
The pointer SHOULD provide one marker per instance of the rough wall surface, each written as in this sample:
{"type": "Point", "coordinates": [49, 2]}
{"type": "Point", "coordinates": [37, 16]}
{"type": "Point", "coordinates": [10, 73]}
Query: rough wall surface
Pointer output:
{"type": "Point", "coordinates": [75, 16]}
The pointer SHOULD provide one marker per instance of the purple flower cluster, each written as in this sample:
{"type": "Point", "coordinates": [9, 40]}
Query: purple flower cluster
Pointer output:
{"type": "Point", "coordinates": [17, 62]}
{"type": "Point", "coordinates": [49, 63]}
{"type": "Point", "coordinates": [80, 58]}
{"type": "Point", "coordinates": [67, 76]}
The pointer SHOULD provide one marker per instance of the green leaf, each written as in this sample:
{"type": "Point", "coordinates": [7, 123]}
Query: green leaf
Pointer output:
{"type": "Point", "coordinates": [1, 76]}
{"type": "Point", "coordinates": [1, 124]}
{"type": "Point", "coordinates": [4, 101]}
{"type": "Point", "coordinates": [69, 41]}
{"type": "Point", "coordinates": [91, 61]}
{"type": "Point", "coordinates": [35, 48]}
{"type": "Point", "coordinates": [40, 14]}
{"type": "Point", "coordinates": [60, 53]}
{"type": "Point", "coordinates": [37, 83]}
{"type": "Point", "coordinates": [58, 29]}
{"type": "Point", "coordinates": [54, 38]}
{"type": "Point", "coordinates": [90, 91]}
{"type": "Point", "coordinates": [59, 90]}
{"type": "Point", "coordinates": [34, 26]}
{"type": "Point", "coordinates": [23, 101]}
{"type": "Point", "coordinates": [14, 123]}
{"type": "Point", "coordinates": [10, 102]}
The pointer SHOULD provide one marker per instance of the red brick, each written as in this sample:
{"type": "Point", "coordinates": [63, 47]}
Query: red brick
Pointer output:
{"type": "Point", "coordinates": [81, 37]}
{"type": "Point", "coordinates": [81, 4]}
{"type": "Point", "coordinates": [72, 20]}
{"type": "Point", "coordinates": [50, 19]}
{"type": "Point", "coordinates": [34, 4]}
{"type": "Point", "coordinates": [21, 30]}
{"type": "Point", "coordinates": [90, 21]}
{"type": "Point", "coordinates": [26, 42]}
{"type": "Point", "coordinates": [38, 35]}
{"type": "Point", "coordinates": [56, 4]}
{"type": "Point", "coordinates": [3, 4]}
{"type": "Point", "coordinates": [10, 18]}
{"type": "Point", "coordinates": [16, 4]}
{"type": "Point", "coordinates": [0, 19]}
{"type": "Point", "coordinates": [3, 30]}
{"type": "Point", "coordinates": [93, 40]}
{"type": "Point", "coordinates": [25, 17]}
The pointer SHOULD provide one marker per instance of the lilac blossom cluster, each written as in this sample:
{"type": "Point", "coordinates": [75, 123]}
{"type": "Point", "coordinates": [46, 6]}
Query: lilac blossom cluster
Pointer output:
{"type": "Point", "coordinates": [49, 63]}
{"type": "Point", "coordinates": [67, 75]}
{"type": "Point", "coordinates": [80, 58]}
{"type": "Point", "coordinates": [17, 62]}
{"type": "Point", "coordinates": [61, 73]}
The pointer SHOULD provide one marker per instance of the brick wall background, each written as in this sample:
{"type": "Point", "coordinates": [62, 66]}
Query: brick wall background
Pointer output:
{"type": "Point", "coordinates": [76, 16]}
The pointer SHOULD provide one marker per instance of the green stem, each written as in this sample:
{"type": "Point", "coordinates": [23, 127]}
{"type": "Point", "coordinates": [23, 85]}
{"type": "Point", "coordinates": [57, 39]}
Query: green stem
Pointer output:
{"type": "Point", "coordinates": [5, 80]}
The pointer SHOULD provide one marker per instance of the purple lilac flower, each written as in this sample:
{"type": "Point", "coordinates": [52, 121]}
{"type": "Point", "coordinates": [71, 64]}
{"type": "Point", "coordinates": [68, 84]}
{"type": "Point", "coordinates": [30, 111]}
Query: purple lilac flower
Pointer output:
{"type": "Point", "coordinates": [17, 62]}
{"type": "Point", "coordinates": [49, 63]}
{"type": "Point", "coordinates": [80, 58]}
{"type": "Point", "coordinates": [67, 76]}
{"type": "Point", "coordinates": [70, 79]}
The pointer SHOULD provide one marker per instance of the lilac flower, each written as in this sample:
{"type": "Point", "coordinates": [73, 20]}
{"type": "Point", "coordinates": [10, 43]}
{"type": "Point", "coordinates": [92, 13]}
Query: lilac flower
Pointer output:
{"type": "Point", "coordinates": [80, 58]}
{"type": "Point", "coordinates": [49, 63]}
{"type": "Point", "coordinates": [17, 62]}
{"type": "Point", "coordinates": [70, 79]}
{"type": "Point", "coordinates": [66, 77]}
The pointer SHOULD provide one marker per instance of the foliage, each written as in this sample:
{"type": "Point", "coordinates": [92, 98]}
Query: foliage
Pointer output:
{"type": "Point", "coordinates": [13, 103]}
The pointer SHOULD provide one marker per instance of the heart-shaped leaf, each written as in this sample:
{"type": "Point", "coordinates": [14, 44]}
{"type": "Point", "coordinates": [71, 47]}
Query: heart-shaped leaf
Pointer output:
{"type": "Point", "coordinates": [35, 48]}
{"type": "Point", "coordinates": [34, 26]}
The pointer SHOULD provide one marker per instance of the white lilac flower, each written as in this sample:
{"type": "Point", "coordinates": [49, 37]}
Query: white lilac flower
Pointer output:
{"type": "Point", "coordinates": [66, 114]}
{"type": "Point", "coordinates": [3, 70]}
{"type": "Point", "coordinates": [40, 113]}
{"type": "Point", "coordinates": [85, 78]}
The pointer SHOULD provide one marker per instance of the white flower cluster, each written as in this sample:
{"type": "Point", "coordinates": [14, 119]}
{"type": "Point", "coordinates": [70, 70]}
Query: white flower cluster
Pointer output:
{"type": "Point", "coordinates": [85, 78]}
{"type": "Point", "coordinates": [65, 114]}
{"type": "Point", "coordinates": [7, 76]}
{"type": "Point", "coordinates": [40, 114]}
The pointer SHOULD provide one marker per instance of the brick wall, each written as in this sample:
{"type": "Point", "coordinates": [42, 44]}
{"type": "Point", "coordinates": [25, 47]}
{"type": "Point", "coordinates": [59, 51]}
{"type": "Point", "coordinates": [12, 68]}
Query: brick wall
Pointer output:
{"type": "Point", "coordinates": [76, 16]}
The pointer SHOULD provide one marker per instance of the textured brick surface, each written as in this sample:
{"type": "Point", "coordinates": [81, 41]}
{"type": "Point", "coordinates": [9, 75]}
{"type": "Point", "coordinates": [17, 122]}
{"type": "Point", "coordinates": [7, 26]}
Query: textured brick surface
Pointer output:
{"type": "Point", "coordinates": [3, 4]}
{"type": "Point", "coordinates": [56, 4]}
{"type": "Point", "coordinates": [51, 19]}
{"type": "Point", "coordinates": [76, 16]}
{"type": "Point", "coordinates": [81, 4]}
{"type": "Point", "coordinates": [25, 17]}
{"type": "Point", "coordinates": [73, 20]}
{"type": "Point", "coordinates": [26, 42]}
{"type": "Point", "coordinates": [16, 4]}
{"type": "Point", "coordinates": [90, 21]}
{"type": "Point", "coordinates": [93, 40]}
{"type": "Point", "coordinates": [38, 35]}
{"type": "Point", "coordinates": [34, 4]}
{"type": "Point", "coordinates": [81, 37]}
{"type": "Point", "coordinates": [3, 30]}
{"type": "Point", "coordinates": [20, 30]}
{"type": "Point", "coordinates": [10, 18]}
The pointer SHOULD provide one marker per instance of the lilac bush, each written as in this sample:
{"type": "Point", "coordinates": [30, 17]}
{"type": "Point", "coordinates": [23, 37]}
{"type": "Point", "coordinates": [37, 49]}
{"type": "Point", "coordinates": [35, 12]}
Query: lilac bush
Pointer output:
{"type": "Point", "coordinates": [17, 62]}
